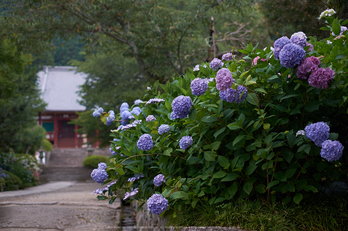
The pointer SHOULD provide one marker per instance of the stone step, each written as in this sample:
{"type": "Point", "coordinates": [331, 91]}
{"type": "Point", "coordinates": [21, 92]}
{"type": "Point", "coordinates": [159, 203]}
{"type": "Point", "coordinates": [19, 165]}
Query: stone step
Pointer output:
{"type": "Point", "coordinates": [66, 174]}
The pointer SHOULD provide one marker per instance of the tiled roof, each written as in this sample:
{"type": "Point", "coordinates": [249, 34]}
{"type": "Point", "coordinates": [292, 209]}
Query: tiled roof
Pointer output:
{"type": "Point", "coordinates": [59, 86]}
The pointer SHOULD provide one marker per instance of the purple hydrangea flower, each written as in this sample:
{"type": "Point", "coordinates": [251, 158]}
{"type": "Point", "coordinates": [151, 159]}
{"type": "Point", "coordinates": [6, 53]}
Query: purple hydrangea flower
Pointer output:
{"type": "Point", "coordinates": [185, 142]}
{"type": "Point", "coordinates": [154, 101]}
{"type": "Point", "coordinates": [102, 166]}
{"type": "Point", "coordinates": [299, 38]}
{"type": "Point", "coordinates": [111, 118]}
{"type": "Point", "coordinates": [241, 93]}
{"type": "Point", "coordinates": [199, 86]}
{"type": "Point", "coordinates": [331, 150]}
{"type": "Point", "coordinates": [158, 180]}
{"type": "Point", "coordinates": [196, 68]}
{"type": "Point", "coordinates": [130, 194]}
{"type": "Point", "coordinates": [138, 101]}
{"type": "Point", "coordinates": [310, 47]}
{"type": "Point", "coordinates": [164, 128]}
{"type": "Point", "coordinates": [321, 77]}
{"type": "Point", "coordinates": [99, 175]}
{"type": "Point", "coordinates": [224, 79]}
{"type": "Point", "coordinates": [157, 204]}
{"type": "Point", "coordinates": [150, 118]}
{"type": "Point", "coordinates": [216, 64]}
{"type": "Point", "coordinates": [343, 29]}
{"type": "Point", "coordinates": [173, 116]}
{"type": "Point", "coordinates": [181, 106]}
{"type": "Point", "coordinates": [227, 56]}
{"type": "Point", "coordinates": [318, 132]}
{"type": "Point", "coordinates": [124, 107]}
{"type": "Point", "coordinates": [229, 95]}
{"type": "Point", "coordinates": [145, 142]}
{"type": "Point", "coordinates": [99, 191]}
{"type": "Point", "coordinates": [279, 44]}
{"type": "Point", "coordinates": [97, 112]}
{"type": "Point", "coordinates": [309, 65]}
{"type": "Point", "coordinates": [136, 177]}
{"type": "Point", "coordinates": [291, 55]}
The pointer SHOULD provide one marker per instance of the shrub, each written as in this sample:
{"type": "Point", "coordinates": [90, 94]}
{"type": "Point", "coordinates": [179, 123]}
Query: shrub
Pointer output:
{"type": "Point", "coordinates": [93, 160]}
{"type": "Point", "coordinates": [46, 145]}
{"type": "Point", "coordinates": [12, 182]}
{"type": "Point", "coordinates": [248, 144]}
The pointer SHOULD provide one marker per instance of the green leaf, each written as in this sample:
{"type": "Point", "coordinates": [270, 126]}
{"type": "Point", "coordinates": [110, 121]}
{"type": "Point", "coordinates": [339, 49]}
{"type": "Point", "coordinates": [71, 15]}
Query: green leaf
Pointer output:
{"type": "Point", "coordinates": [273, 183]}
{"type": "Point", "coordinates": [217, 133]}
{"type": "Point", "coordinates": [289, 173]}
{"type": "Point", "coordinates": [336, 28]}
{"type": "Point", "coordinates": [102, 198]}
{"type": "Point", "coordinates": [234, 126]}
{"type": "Point", "coordinates": [167, 152]}
{"type": "Point", "coordinates": [215, 146]}
{"type": "Point", "coordinates": [193, 114]}
{"type": "Point", "coordinates": [247, 187]}
{"type": "Point", "coordinates": [179, 194]}
{"type": "Point", "coordinates": [238, 139]}
{"type": "Point", "coordinates": [289, 96]}
{"type": "Point", "coordinates": [219, 200]}
{"type": "Point", "coordinates": [209, 119]}
{"type": "Point", "coordinates": [233, 189]}
{"type": "Point", "coordinates": [120, 171]}
{"type": "Point", "coordinates": [298, 198]}
{"type": "Point", "coordinates": [193, 160]}
{"type": "Point", "coordinates": [209, 156]}
{"type": "Point", "coordinates": [266, 126]}
{"type": "Point", "coordinates": [223, 161]}
{"type": "Point", "coordinates": [219, 174]}
{"type": "Point", "coordinates": [230, 177]}
{"type": "Point", "coordinates": [333, 136]}
{"type": "Point", "coordinates": [261, 90]}
{"type": "Point", "coordinates": [250, 169]}
{"type": "Point", "coordinates": [252, 99]}
{"type": "Point", "coordinates": [260, 188]}
{"type": "Point", "coordinates": [344, 22]}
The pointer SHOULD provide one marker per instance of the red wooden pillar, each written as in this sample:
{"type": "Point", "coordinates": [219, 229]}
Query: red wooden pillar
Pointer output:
{"type": "Point", "coordinates": [76, 137]}
{"type": "Point", "coordinates": [97, 143]}
{"type": "Point", "coordinates": [55, 133]}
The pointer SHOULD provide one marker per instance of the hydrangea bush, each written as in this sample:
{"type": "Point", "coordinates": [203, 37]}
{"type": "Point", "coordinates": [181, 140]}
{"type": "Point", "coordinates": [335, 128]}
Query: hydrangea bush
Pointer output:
{"type": "Point", "coordinates": [261, 130]}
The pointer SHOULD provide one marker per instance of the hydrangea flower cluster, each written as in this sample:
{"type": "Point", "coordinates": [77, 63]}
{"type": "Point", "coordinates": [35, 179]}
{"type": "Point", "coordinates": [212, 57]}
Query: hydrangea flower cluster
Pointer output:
{"type": "Point", "coordinates": [132, 125]}
{"type": "Point", "coordinates": [196, 68]}
{"type": "Point", "coordinates": [145, 142]}
{"type": "Point", "coordinates": [327, 13]}
{"type": "Point", "coordinates": [126, 116]}
{"type": "Point", "coordinates": [150, 118]}
{"type": "Point", "coordinates": [181, 106]}
{"type": "Point", "coordinates": [173, 116]}
{"type": "Point", "coordinates": [185, 142]}
{"type": "Point", "coordinates": [110, 118]}
{"type": "Point", "coordinates": [99, 174]}
{"type": "Point", "coordinates": [321, 77]}
{"type": "Point", "coordinates": [310, 47]}
{"type": "Point", "coordinates": [254, 63]}
{"type": "Point", "coordinates": [331, 150]}
{"type": "Point", "coordinates": [137, 102]}
{"type": "Point", "coordinates": [130, 194]}
{"type": "Point", "coordinates": [291, 55]}
{"type": "Point", "coordinates": [227, 56]}
{"type": "Point", "coordinates": [97, 112]}
{"type": "Point", "coordinates": [159, 180]}
{"type": "Point", "coordinates": [300, 132]}
{"type": "Point", "coordinates": [136, 177]}
{"type": "Point", "coordinates": [102, 165]}
{"type": "Point", "coordinates": [309, 65]}
{"type": "Point", "coordinates": [100, 191]}
{"type": "Point", "coordinates": [136, 111]}
{"type": "Point", "coordinates": [154, 101]}
{"type": "Point", "coordinates": [157, 204]}
{"type": "Point", "coordinates": [279, 44]}
{"type": "Point", "coordinates": [318, 132]}
{"type": "Point", "coordinates": [199, 86]}
{"type": "Point", "coordinates": [124, 107]}
{"type": "Point", "coordinates": [216, 64]}
{"type": "Point", "coordinates": [164, 128]}
{"type": "Point", "coordinates": [224, 79]}
{"type": "Point", "coordinates": [229, 95]}
{"type": "Point", "coordinates": [343, 29]}
{"type": "Point", "coordinates": [299, 38]}
{"type": "Point", "coordinates": [241, 94]}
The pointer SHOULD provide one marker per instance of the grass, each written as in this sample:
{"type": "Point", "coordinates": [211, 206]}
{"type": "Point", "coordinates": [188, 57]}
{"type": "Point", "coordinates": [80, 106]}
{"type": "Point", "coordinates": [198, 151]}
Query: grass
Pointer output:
{"type": "Point", "coordinates": [317, 213]}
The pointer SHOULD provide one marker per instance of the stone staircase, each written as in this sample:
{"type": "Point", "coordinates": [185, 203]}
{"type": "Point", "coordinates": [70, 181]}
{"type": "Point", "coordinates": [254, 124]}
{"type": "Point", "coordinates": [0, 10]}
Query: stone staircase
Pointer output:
{"type": "Point", "coordinates": [66, 165]}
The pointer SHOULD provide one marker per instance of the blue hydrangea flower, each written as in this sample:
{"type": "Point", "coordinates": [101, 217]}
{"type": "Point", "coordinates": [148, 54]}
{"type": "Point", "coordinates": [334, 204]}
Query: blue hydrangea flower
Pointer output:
{"type": "Point", "coordinates": [124, 107]}
{"type": "Point", "coordinates": [130, 194]}
{"type": "Point", "coordinates": [279, 44]}
{"type": "Point", "coordinates": [136, 111]}
{"type": "Point", "coordinates": [241, 93]}
{"type": "Point", "coordinates": [112, 151]}
{"type": "Point", "coordinates": [199, 86]}
{"type": "Point", "coordinates": [138, 101]}
{"type": "Point", "coordinates": [158, 180]}
{"type": "Point", "coordinates": [300, 132]}
{"type": "Point", "coordinates": [102, 166]}
{"type": "Point", "coordinates": [99, 175]}
{"type": "Point", "coordinates": [164, 128]}
{"type": "Point", "coordinates": [224, 79]}
{"type": "Point", "coordinates": [291, 55]}
{"type": "Point", "coordinates": [97, 112]}
{"type": "Point", "coordinates": [155, 100]}
{"type": "Point", "coordinates": [331, 150]}
{"type": "Point", "coordinates": [227, 56]}
{"type": "Point", "coordinates": [111, 118]}
{"type": "Point", "coordinates": [181, 106]}
{"type": "Point", "coordinates": [299, 38]}
{"type": "Point", "coordinates": [145, 142]}
{"type": "Point", "coordinates": [157, 204]}
{"type": "Point", "coordinates": [216, 64]}
{"type": "Point", "coordinates": [173, 116]}
{"type": "Point", "coordinates": [185, 142]}
{"type": "Point", "coordinates": [318, 132]}
{"type": "Point", "coordinates": [136, 177]}
{"type": "Point", "coordinates": [150, 118]}
{"type": "Point", "coordinates": [229, 95]}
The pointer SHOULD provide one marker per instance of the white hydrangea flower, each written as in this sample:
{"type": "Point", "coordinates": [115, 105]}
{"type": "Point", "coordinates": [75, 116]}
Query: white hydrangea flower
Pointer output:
{"type": "Point", "coordinates": [327, 13]}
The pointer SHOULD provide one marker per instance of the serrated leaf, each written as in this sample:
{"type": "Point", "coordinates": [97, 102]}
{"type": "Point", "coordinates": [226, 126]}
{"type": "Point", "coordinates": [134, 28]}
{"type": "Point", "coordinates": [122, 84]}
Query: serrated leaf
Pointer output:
{"type": "Point", "coordinates": [252, 99]}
